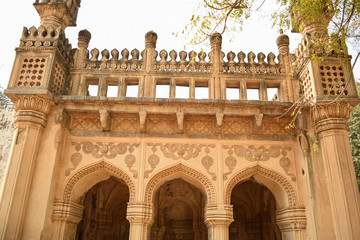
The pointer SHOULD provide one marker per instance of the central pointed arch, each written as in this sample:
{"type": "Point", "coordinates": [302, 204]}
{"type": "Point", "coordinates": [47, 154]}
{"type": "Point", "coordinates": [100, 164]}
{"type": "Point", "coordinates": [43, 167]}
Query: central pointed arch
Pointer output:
{"type": "Point", "coordinates": [183, 170]}
{"type": "Point", "coordinates": [274, 180]}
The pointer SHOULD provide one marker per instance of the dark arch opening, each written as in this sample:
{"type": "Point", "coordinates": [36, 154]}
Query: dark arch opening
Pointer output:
{"type": "Point", "coordinates": [179, 212]}
{"type": "Point", "coordinates": [254, 212]}
{"type": "Point", "coordinates": [104, 216]}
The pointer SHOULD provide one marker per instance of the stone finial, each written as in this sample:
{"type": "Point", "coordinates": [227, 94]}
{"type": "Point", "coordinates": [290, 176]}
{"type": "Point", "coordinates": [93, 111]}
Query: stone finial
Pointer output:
{"type": "Point", "coordinates": [150, 39]}
{"type": "Point", "coordinates": [215, 39]}
{"type": "Point", "coordinates": [84, 38]}
{"type": "Point", "coordinates": [57, 13]}
{"type": "Point", "coordinates": [283, 42]}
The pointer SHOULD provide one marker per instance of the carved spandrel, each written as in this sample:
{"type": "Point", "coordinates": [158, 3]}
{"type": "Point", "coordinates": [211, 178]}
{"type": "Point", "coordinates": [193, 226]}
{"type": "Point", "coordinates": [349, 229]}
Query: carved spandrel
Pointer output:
{"type": "Point", "coordinates": [104, 150]}
{"type": "Point", "coordinates": [253, 153]}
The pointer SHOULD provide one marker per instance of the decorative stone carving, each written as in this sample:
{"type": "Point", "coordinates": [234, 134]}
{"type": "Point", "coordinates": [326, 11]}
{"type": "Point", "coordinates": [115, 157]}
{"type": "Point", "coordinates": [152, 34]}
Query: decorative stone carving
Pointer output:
{"type": "Point", "coordinates": [104, 150]}
{"type": "Point", "coordinates": [273, 127]}
{"type": "Point", "coordinates": [31, 109]}
{"type": "Point", "coordinates": [125, 124]}
{"type": "Point", "coordinates": [200, 125]}
{"type": "Point", "coordinates": [257, 169]}
{"type": "Point", "coordinates": [230, 162]}
{"type": "Point", "coordinates": [207, 162]}
{"type": "Point", "coordinates": [257, 122]}
{"type": "Point", "coordinates": [85, 122]}
{"type": "Point", "coordinates": [291, 219]}
{"type": "Point", "coordinates": [180, 168]}
{"type": "Point", "coordinates": [142, 116]}
{"type": "Point", "coordinates": [112, 170]}
{"type": "Point", "coordinates": [153, 161]}
{"type": "Point", "coordinates": [237, 125]}
{"type": "Point", "coordinates": [75, 160]}
{"type": "Point", "coordinates": [32, 103]}
{"type": "Point", "coordinates": [219, 121]}
{"type": "Point", "coordinates": [331, 116]}
{"type": "Point", "coordinates": [62, 117]}
{"type": "Point", "coordinates": [180, 121]}
{"type": "Point", "coordinates": [177, 151]}
{"type": "Point", "coordinates": [258, 154]}
{"type": "Point", "coordinates": [161, 124]}
{"type": "Point", "coordinates": [67, 211]}
{"type": "Point", "coordinates": [105, 120]}
{"type": "Point", "coordinates": [130, 161]}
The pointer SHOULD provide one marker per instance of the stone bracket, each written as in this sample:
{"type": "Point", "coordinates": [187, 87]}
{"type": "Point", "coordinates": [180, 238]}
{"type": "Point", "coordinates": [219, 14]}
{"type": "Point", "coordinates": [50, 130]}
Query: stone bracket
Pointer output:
{"type": "Point", "coordinates": [105, 120]}
{"type": "Point", "coordinates": [180, 122]}
{"type": "Point", "coordinates": [142, 116]}
{"type": "Point", "coordinates": [62, 117]}
{"type": "Point", "coordinates": [219, 122]}
{"type": "Point", "coordinates": [257, 122]}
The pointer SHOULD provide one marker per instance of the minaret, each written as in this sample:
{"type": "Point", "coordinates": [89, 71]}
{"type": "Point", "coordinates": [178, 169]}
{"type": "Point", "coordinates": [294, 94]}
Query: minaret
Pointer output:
{"type": "Point", "coordinates": [329, 89]}
{"type": "Point", "coordinates": [41, 71]}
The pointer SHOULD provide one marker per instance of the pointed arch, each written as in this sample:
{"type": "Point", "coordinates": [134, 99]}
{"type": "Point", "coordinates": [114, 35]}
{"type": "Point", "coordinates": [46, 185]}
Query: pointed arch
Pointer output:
{"type": "Point", "coordinates": [184, 170]}
{"type": "Point", "coordinates": [96, 169]}
{"type": "Point", "coordinates": [272, 180]}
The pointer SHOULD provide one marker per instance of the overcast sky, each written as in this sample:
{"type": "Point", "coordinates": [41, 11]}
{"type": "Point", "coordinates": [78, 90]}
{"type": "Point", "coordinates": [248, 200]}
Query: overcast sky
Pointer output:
{"type": "Point", "coordinates": [122, 24]}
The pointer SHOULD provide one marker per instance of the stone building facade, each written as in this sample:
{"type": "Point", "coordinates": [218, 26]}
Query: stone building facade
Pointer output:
{"type": "Point", "coordinates": [144, 167]}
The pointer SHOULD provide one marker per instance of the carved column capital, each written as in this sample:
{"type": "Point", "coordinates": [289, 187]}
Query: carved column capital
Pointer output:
{"type": "Point", "coordinates": [331, 117]}
{"type": "Point", "coordinates": [67, 211]}
{"type": "Point", "coordinates": [139, 213]}
{"type": "Point", "coordinates": [32, 109]}
{"type": "Point", "coordinates": [291, 219]}
{"type": "Point", "coordinates": [218, 214]}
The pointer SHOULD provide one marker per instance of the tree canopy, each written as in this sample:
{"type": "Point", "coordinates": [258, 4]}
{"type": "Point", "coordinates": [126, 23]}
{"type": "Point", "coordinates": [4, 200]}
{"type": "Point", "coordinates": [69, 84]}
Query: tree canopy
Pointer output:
{"type": "Point", "coordinates": [343, 17]}
{"type": "Point", "coordinates": [354, 137]}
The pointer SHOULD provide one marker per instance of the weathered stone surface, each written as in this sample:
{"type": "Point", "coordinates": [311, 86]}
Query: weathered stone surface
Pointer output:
{"type": "Point", "coordinates": [7, 113]}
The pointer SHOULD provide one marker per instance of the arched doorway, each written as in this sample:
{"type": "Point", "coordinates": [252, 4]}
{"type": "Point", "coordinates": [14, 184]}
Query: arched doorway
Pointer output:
{"type": "Point", "coordinates": [179, 212]}
{"type": "Point", "coordinates": [254, 213]}
{"type": "Point", "coordinates": [104, 214]}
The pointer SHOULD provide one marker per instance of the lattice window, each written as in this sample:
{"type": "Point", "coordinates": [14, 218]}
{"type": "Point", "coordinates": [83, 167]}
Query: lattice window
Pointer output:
{"type": "Point", "coordinates": [333, 80]}
{"type": "Point", "coordinates": [31, 72]}
{"type": "Point", "coordinates": [307, 86]}
{"type": "Point", "coordinates": [58, 80]}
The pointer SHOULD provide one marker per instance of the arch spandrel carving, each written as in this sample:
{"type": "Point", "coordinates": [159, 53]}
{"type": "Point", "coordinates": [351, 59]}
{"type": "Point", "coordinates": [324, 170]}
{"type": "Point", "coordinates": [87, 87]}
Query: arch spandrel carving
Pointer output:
{"type": "Point", "coordinates": [98, 167]}
{"type": "Point", "coordinates": [274, 179]}
{"type": "Point", "coordinates": [157, 179]}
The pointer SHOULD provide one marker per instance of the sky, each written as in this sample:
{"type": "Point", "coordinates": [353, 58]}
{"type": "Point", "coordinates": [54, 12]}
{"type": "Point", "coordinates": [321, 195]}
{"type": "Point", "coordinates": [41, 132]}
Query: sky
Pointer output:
{"type": "Point", "coordinates": [122, 24]}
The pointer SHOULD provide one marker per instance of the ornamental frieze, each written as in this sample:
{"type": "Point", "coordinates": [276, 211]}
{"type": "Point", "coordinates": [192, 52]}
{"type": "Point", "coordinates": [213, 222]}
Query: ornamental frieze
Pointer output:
{"type": "Point", "coordinates": [177, 151]}
{"type": "Point", "coordinates": [253, 153]}
{"type": "Point", "coordinates": [104, 150]}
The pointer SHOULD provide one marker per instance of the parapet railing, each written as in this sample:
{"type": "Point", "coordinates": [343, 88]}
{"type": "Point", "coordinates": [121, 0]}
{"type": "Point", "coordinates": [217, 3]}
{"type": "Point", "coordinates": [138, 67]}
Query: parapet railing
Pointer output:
{"type": "Point", "coordinates": [185, 75]}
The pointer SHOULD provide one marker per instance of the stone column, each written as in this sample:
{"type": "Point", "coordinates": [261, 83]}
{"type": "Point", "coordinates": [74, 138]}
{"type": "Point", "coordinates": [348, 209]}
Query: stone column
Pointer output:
{"type": "Point", "coordinates": [66, 217]}
{"type": "Point", "coordinates": [215, 41]}
{"type": "Point", "coordinates": [333, 135]}
{"type": "Point", "coordinates": [149, 58]}
{"type": "Point", "coordinates": [292, 223]}
{"type": "Point", "coordinates": [283, 43]}
{"type": "Point", "coordinates": [30, 121]}
{"type": "Point", "coordinates": [217, 219]}
{"type": "Point", "coordinates": [140, 218]}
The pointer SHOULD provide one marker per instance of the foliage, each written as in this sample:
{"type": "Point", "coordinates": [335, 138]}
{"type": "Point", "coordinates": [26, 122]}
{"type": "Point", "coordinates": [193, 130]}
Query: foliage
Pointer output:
{"type": "Point", "coordinates": [4, 99]}
{"type": "Point", "coordinates": [222, 15]}
{"type": "Point", "coordinates": [354, 137]}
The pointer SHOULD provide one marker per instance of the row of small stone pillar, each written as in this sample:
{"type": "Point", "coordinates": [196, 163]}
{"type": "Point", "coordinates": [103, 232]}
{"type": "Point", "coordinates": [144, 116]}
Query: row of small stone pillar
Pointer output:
{"type": "Point", "coordinates": [282, 41]}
